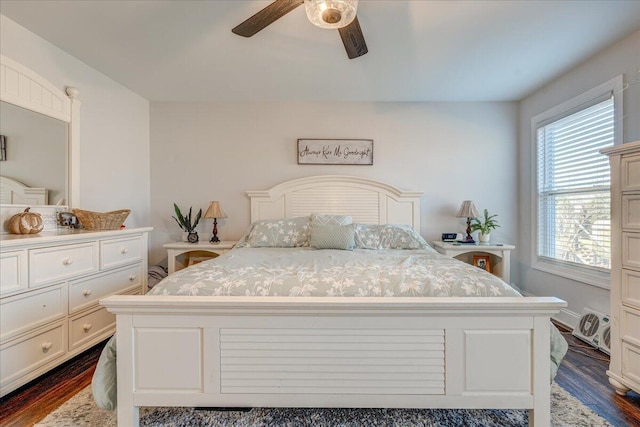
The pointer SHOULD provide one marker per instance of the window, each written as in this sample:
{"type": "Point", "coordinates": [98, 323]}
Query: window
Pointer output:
{"type": "Point", "coordinates": [573, 187]}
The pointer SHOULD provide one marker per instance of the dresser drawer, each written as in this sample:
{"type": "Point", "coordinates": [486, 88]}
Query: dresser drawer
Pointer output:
{"type": "Point", "coordinates": [26, 311]}
{"type": "Point", "coordinates": [631, 250]}
{"type": "Point", "coordinates": [84, 328]}
{"type": "Point", "coordinates": [17, 358]}
{"type": "Point", "coordinates": [631, 362]}
{"type": "Point", "coordinates": [630, 292]}
{"type": "Point", "coordinates": [630, 325]}
{"type": "Point", "coordinates": [630, 173]}
{"type": "Point", "coordinates": [56, 263]}
{"type": "Point", "coordinates": [631, 212]}
{"type": "Point", "coordinates": [13, 271]}
{"type": "Point", "coordinates": [118, 252]}
{"type": "Point", "coordinates": [88, 290]}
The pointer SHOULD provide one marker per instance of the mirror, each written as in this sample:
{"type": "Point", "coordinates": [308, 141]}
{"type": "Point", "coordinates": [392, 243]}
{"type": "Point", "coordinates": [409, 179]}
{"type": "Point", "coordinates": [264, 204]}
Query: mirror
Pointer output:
{"type": "Point", "coordinates": [41, 129]}
{"type": "Point", "coordinates": [36, 151]}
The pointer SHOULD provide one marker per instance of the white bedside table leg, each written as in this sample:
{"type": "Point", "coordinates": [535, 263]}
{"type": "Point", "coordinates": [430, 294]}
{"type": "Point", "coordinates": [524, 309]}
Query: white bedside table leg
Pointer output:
{"type": "Point", "coordinates": [506, 266]}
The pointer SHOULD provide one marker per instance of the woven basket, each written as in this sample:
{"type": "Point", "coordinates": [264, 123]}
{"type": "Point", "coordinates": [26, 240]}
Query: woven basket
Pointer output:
{"type": "Point", "coordinates": [101, 221]}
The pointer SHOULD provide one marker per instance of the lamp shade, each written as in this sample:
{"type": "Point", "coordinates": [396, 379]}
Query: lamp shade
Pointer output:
{"type": "Point", "coordinates": [331, 14]}
{"type": "Point", "coordinates": [215, 211]}
{"type": "Point", "coordinates": [467, 210]}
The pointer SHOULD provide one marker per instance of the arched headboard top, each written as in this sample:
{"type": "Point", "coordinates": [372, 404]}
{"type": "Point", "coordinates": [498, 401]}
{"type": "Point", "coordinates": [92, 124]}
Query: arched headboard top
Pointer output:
{"type": "Point", "coordinates": [368, 201]}
{"type": "Point", "coordinates": [13, 192]}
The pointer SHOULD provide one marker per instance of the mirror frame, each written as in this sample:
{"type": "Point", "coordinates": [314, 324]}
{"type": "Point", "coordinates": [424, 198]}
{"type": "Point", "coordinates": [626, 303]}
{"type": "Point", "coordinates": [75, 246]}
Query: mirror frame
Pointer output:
{"type": "Point", "coordinates": [25, 88]}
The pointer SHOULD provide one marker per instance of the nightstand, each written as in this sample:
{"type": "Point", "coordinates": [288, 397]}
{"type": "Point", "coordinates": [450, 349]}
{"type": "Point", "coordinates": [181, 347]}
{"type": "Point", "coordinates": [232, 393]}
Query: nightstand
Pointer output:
{"type": "Point", "coordinates": [500, 255]}
{"type": "Point", "coordinates": [175, 249]}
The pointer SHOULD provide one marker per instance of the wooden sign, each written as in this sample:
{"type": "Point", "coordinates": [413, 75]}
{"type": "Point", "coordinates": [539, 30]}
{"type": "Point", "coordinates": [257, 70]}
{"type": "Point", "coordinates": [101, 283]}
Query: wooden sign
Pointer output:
{"type": "Point", "coordinates": [335, 151]}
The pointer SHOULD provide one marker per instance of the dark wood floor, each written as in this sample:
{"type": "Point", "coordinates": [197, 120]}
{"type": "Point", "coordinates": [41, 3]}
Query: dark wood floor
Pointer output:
{"type": "Point", "coordinates": [582, 373]}
{"type": "Point", "coordinates": [34, 401]}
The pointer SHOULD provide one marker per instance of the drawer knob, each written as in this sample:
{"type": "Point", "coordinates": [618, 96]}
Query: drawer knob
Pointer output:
{"type": "Point", "coordinates": [87, 292]}
{"type": "Point", "coordinates": [87, 327]}
{"type": "Point", "coordinates": [132, 277]}
{"type": "Point", "coordinates": [124, 251]}
{"type": "Point", "coordinates": [46, 346]}
{"type": "Point", "coordinates": [67, 261]}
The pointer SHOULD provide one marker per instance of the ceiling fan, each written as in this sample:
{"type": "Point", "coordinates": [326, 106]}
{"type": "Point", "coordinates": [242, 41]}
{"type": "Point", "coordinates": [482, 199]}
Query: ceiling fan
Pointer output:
{"type": "Point", "coordinates": [329, 14]}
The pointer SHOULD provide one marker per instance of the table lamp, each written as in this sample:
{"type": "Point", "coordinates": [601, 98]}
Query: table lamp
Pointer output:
{"type": "Point", "coordinates": [215, 211]}
{"type": "Point", "coordinates": [468, 210]}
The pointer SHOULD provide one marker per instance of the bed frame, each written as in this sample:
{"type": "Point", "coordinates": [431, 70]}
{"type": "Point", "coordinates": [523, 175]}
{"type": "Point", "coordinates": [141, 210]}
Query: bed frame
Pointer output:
{"type": "Point", "coordinates": [16, 193]}
{"type": "Point", "coordinates": [334, 352]}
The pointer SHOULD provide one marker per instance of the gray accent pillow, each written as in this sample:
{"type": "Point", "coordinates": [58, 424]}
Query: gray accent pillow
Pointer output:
{"type": "Point", "coordinates": [325, 219]}
{"type": "Point", "coordinates": [388, 236]}
{"type": "Point", "coordinates": [332, 237]}
{"type": "Point", "coordinates": [279, 233]}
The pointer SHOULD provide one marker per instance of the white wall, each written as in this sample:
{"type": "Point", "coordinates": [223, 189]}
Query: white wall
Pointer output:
{"type": "Point", "coordinates": [114, 125]}
{"type": "Point", "coordinates": [450, 151]}
{"type": "Point", "coordinates": [621, 58]}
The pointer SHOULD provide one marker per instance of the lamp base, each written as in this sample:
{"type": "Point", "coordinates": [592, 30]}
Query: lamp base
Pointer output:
{"type": "Point", "coordinates": [214, 232]}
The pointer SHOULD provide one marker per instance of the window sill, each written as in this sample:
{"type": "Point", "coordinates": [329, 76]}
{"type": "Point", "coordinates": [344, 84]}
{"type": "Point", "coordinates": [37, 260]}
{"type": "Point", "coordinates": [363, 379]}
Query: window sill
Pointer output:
{"type": "Point", "coordinates": [588, 277]}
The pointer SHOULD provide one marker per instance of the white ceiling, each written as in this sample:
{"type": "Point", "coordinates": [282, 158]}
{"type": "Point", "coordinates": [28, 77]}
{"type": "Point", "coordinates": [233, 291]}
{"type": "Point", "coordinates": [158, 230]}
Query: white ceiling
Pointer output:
{"type": "Point", "coordinates": [418, 50]}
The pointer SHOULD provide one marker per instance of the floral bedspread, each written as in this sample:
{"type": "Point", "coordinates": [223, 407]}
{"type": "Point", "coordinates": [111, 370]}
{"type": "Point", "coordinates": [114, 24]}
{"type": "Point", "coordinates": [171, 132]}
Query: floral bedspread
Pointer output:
{"type": "Point", "coordinates": [312, 272]}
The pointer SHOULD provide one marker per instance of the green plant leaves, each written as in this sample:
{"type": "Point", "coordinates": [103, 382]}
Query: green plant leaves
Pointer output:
{"type": "Point", "coordinates": [486, 225]}
{"type": "Point", "coordinates": [185, 221]}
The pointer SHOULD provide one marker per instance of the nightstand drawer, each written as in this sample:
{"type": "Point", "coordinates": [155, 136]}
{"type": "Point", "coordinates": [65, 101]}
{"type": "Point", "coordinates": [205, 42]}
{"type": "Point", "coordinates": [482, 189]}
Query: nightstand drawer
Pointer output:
{"type": "Point", "coordinates": [54, 264]}
{"type": "Point", "coordinates": [21, 357]}
{"type": "Point", "coordinates": [88, 290]}
{"type": "Point", "coordinates": [26, 311]}
{"type": "Point", "coordinates": [84, 328]}
{"type": "Point", "coordinates": [117, 252]}
{"type": "Point", "coordinates": [13, 271]}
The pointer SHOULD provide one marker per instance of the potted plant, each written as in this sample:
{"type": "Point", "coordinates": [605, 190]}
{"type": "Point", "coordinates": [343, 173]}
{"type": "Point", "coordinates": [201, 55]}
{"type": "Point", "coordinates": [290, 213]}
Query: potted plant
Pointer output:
{"type": "Point", "coordinates": [484, 226]}
{"type": "Point", "coordinates": [187, 224]}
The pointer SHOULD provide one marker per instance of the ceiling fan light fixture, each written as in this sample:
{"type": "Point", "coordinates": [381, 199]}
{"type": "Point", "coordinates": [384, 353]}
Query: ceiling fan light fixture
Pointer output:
{"type": "Point", "coordinates": [331, 14]}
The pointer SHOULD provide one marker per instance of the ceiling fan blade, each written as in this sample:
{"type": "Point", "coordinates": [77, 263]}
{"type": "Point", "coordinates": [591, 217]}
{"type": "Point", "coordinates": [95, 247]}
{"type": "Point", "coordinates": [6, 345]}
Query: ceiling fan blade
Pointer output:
{"type": "Point", "coordinates": [353, 39]}
{"type": "Point", "coordinates": [266, 17]}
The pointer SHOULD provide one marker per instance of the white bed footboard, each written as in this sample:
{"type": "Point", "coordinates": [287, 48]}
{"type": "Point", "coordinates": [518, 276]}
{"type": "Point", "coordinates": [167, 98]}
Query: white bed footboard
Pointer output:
{"type": "Point", "coordinates": [333, 352]}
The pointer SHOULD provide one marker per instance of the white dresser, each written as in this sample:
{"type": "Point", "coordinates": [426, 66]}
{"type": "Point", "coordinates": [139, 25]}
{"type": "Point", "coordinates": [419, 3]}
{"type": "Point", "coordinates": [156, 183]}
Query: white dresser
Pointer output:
{"type": "Point", "coordinates": [624, 370]}
{"type": "Point", "coordinates": [50, 285]}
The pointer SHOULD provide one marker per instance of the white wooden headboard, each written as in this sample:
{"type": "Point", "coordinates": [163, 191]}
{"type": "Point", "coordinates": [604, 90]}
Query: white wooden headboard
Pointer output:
{"type": "Point", "coordinates": [366, 200]}
{"type": "Point", "coordinates": [13, 192]}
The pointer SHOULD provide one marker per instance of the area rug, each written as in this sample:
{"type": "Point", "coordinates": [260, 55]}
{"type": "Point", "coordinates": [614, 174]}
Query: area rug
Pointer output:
{"type": "Point", "coordinates": [81, 411]}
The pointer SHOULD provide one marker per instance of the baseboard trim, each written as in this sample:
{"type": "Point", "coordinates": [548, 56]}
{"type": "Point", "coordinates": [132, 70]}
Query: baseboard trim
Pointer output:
{"type": "Point", "coordinates": [566, 317]}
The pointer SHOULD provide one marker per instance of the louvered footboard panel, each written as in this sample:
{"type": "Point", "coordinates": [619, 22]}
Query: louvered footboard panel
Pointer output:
{"type": "Point", "coordinates": [346, 361]}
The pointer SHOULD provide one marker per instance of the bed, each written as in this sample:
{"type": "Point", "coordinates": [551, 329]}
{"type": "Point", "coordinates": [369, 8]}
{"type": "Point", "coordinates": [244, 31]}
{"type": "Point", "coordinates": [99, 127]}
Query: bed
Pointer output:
{"type": "Point", "coordinates": [388, 346]}
{"type": "Point", "coordinates": [13, 192]}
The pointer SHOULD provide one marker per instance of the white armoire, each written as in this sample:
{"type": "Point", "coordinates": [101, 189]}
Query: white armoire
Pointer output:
{"type": "Point", "coordinates": [624, 369]}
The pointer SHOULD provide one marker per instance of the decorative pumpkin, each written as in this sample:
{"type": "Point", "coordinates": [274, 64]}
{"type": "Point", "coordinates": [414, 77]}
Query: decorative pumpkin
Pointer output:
{"type": "Point", "coordinates": [26, 223]}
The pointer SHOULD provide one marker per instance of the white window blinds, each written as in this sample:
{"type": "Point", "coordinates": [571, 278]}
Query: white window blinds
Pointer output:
{"type": "Point", "coordinates": [574, 186]}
